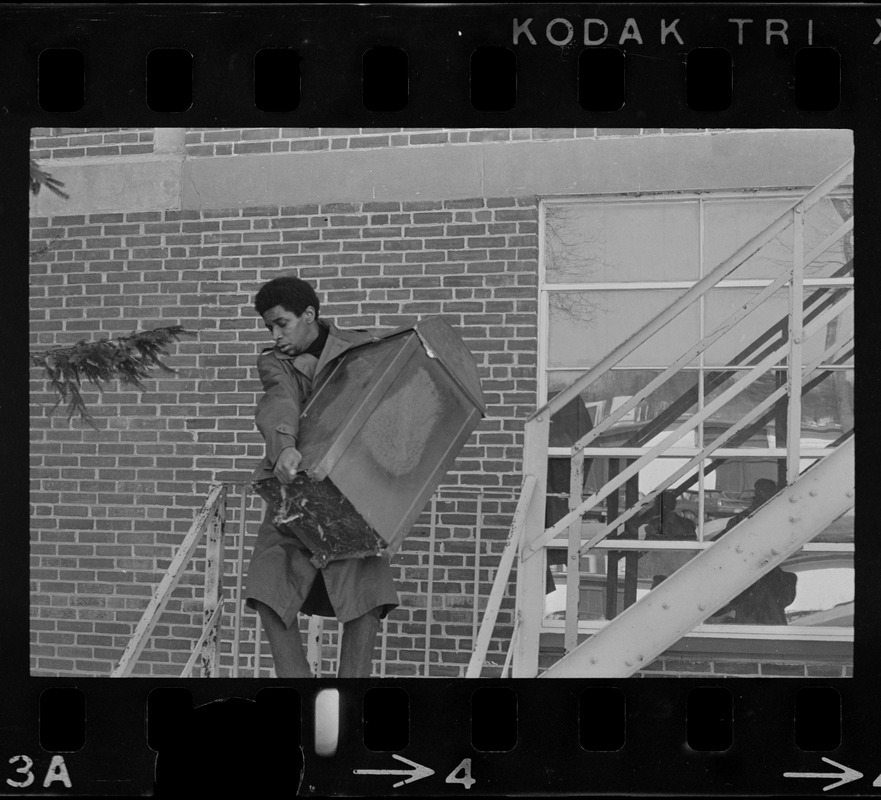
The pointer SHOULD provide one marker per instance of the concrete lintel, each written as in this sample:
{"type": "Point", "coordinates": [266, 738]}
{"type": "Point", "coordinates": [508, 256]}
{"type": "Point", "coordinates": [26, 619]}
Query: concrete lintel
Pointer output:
{"type": "Point", "coordinates": [730, 160]}
{"type": "Point", "coordinates": [733, 159]}
{"type": "Point", "coordinates": [98, 185]}
{"type": "Point", "coordinates": [736, 159]}
{"type": "Point", "coordinates": [289, 179]}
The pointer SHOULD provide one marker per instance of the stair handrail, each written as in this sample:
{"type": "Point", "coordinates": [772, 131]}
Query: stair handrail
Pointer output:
{"type": "Point", "coordinates": [213, 504]}
{"type": "Point", "coordinates": [700, 288]}
{"type": "Point", "coordinates": [500, 583]}
{"type": "Point", "coordinates": [723, 438]}
{"type": "Point", "coordinates": [695, 350]}
{"type": "Point", "coordinates": [210, 630]}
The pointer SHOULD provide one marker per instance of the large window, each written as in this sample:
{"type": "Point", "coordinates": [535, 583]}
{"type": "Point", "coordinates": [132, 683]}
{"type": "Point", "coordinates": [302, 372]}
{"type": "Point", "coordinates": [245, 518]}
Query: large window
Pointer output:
{"type": "Point", "coordinates": [609, 265]}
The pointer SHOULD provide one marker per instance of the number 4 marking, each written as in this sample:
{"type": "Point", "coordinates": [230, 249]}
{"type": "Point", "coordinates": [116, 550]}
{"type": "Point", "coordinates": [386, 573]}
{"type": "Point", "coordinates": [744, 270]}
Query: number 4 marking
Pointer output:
{"type": "Point", "coordinates": [465, 779]}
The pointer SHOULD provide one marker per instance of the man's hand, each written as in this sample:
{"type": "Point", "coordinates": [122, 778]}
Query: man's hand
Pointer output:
{"type": "Point", "coordinates": [286, 466]}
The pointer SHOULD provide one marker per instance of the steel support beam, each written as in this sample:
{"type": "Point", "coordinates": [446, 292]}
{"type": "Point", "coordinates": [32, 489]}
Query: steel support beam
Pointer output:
{"type": "Point", "coordinates": [573, 559]}
{"type": "Point", "coordinates": [718, 574]}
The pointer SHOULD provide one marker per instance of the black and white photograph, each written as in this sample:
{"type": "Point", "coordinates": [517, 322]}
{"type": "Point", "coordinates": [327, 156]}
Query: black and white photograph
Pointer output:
{"type": "Point", "coordinates": [443, 403]}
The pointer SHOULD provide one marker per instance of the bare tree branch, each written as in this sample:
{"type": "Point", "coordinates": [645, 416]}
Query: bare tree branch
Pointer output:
{"type": "Point", "coordinates": [40, 178]}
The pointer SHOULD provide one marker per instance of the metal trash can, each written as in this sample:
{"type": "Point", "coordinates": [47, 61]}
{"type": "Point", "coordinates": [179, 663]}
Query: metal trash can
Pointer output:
{"type": "Point", "coordinates": [377, 438]}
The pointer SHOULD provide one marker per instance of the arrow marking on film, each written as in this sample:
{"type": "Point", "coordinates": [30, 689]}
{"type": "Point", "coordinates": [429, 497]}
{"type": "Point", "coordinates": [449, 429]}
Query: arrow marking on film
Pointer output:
{"type": "Point", "coordinates": [417, 773]}
{"type": "Point", "coordinates": [845, 776]}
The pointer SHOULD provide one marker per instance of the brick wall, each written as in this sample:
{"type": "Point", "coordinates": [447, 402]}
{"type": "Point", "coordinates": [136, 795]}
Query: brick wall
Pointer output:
{"type": "Point", "coordinates": [47, 143]}
{"type": "Point", "coordinates": [745, 668]}
{"type": "Point", "coordinates": [746, 659]}
{"type": "Point", "coordinates": [108, 505]}
{"type": "Point", "coordinates": [242, 141]}
{"type": "Point", "coordinates": [87, 142]}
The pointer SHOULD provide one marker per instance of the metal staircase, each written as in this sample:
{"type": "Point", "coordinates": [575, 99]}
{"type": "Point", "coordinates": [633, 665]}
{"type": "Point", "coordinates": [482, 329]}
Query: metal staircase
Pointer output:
{"type": "Point", "coordinates": [810, 500]}
{"type": "Point", "coordinates": [714, 577]}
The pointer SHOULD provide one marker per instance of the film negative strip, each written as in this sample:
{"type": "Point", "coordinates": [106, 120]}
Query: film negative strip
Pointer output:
{"type": "Point", "coordinates": [588, 393]}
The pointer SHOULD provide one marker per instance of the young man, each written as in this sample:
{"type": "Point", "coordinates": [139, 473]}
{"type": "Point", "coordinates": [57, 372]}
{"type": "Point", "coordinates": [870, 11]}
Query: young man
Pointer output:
{"type": "Point", "coordinates": [281, 581]}
{"type": "Point", "coordinates": [765, 602]}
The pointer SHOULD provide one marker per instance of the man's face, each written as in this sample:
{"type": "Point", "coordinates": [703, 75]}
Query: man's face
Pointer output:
{"type": "Point", "coordinates": [764, 493]}
{"type": "Point", "coordinates": [292, 334]}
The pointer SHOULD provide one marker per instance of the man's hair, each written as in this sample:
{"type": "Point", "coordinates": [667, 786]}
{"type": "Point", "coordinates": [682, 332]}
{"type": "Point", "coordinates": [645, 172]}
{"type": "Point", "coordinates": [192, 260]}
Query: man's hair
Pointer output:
{"type": "Point", "coordinates": [292, 294]}
{"type": "Point", "coordinates": [765, 485]}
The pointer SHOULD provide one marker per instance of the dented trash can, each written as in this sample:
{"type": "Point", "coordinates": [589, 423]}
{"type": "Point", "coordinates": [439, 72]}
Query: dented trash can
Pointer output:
{"type": "Point", "coordinates": [377, 438]}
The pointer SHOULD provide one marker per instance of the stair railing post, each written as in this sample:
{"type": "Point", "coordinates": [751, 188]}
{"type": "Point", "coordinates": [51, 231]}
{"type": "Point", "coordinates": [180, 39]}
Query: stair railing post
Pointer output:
{"type": "Point", "coordinates": [240, 562]}
{"type": "Point", "coordinates": [796, 337]}
{"type": "Point", "coordinates": [214, 557]}
{"type": "Point", "coordinates": [573, 559]}
{"type": "Point", "coordinates": [530, 573]}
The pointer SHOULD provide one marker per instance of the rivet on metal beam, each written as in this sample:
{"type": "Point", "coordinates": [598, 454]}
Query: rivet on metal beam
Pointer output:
{"type": "Point", "coordinates": [738, 549]}
{"type": "Point", "coordinates": [665, 606]}
{"type": "Point", "coordinates": [628, 663]}
{"type": "Point", "coordinates": [793, 498]}
{"type": "Point", "coordinates": [849, 494]}
{"type": "Point", "coordinates": [701, 607]}
{"type": "Point", "coordinates": [795, 519]}
{"type": "Point", "coordinates": [593, 660]}
{"type": "Point", "coordinates": [775, 552]}
{"type": "Point", "coordinates": [812, 492]}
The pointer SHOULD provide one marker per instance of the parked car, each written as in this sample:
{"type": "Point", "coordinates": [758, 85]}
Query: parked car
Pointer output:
{"type": "Point", "coordinates": [716, 504]}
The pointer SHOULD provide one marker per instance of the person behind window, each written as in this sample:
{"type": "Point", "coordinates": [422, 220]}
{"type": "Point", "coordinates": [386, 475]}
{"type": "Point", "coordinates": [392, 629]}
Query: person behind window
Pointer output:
{"type": "Point", "coordinates": [665, 523]}
{"type": "Point", "coordinates": [662, 522]}
{"type": "Point", "coordinates": [765, 602]}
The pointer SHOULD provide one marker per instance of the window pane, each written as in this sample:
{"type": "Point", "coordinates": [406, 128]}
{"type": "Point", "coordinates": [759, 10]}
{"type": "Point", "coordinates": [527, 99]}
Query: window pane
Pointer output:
{"type": "Point", "coordinates": [761, 330]}
{"type": "Point", "coordinates": [810, 588]}
{"type": "Point", "coordinates": [821, 220]}
{"type": "Point", "coordinates": [827, 409]}
{"type": "Point", "coordinates": [610, 581]}
{"type": "Point", "coordinates": [729, 224]}
{"type": "Point", "coordinates": [670, 404]}
{"type": "Point", "coordinates": [826, 412]}
{"type": "Point", "coordinates": [620, 241]}
{"type": "Point", "coordinates": [729, 478]}
{"type": "Point", "coordinates": [840, 531]}
{"type": "Point", "coordinates": [719, 382]}
{"type": "Point", "coordinates": [587, 326]}
{"type": "Point", "coordinates": [766, 327]}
